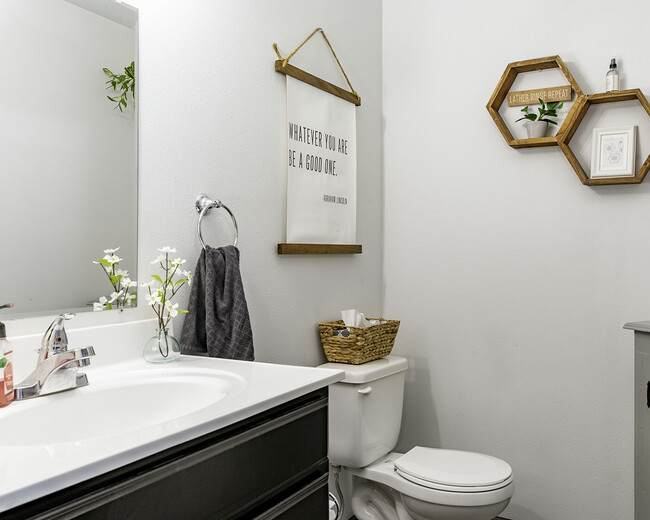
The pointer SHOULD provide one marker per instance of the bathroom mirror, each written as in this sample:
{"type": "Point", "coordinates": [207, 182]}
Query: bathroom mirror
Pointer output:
{"type": "Point", "coordinates": [69, 157]}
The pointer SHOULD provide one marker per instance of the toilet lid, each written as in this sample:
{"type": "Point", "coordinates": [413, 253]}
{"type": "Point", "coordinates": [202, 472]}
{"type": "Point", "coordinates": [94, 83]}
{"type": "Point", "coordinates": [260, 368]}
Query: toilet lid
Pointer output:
{"type": "Point", "coordinates": [451, 469]}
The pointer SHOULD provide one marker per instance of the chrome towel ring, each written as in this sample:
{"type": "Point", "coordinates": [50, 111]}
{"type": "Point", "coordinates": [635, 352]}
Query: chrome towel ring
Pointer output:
{"type": "Point", "coordinates": [203, 206]}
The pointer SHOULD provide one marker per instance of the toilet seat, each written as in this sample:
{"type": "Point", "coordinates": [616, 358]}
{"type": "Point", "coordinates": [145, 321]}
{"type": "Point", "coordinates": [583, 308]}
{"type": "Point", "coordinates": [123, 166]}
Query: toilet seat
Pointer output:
{"type": "Point", "coordinates": [453, 470]}
{"type": "Point", "coordinates": [382, 471]}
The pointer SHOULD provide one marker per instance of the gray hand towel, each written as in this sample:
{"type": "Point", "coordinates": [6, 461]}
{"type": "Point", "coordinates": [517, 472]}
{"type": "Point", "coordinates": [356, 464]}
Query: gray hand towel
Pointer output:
{"type": "Point", "coordinates": [217, 321]}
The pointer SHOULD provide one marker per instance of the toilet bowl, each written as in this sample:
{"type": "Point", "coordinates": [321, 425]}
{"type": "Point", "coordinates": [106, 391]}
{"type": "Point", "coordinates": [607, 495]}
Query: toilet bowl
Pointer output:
{"type": "Point", "coordinates": [365, 410]}
{"type": "Point", "coordinates": [429, 483]}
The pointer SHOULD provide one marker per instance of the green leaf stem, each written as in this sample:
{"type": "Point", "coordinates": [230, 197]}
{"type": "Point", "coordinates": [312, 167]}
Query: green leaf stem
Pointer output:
{"type": "Point", "coordinates": [125, 83]}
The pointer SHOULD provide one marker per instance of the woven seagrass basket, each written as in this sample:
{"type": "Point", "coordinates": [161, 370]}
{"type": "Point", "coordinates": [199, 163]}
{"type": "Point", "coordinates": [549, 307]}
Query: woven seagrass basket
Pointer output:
{"type": "Point", "coordinates": [362, 345]}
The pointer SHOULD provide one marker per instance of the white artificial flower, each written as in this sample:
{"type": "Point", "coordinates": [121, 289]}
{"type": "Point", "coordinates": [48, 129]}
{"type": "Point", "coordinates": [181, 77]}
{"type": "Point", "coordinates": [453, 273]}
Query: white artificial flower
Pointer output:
{"type": "Point", "coordinates": [115, 296]}
{"type": "Point", "coordinates": [113, 259]}
{"type": "Point", "coordinates": [147, 284]}
{"type": "Point", "coordinates": [178, 261]}
{"type": "Point", "coordinates": [152, 299]}
{"type": "Point", "coordinates": [171, 308]}
{"type": "Point", "coordinates": [127, 282]}
{"type": "Point", "coordinates": [111, 251]}
{"type": "Point", "coordinates": [158, 260]}
{"type": "Point", "coordinates": [101, 304]}
{"type": "Point", "coordinates": [188, 275]}
{"type": "Point", "coordinates": [167, 249]}
{"type": "Point", "coordinates": [131, 297]}
{"type": "Point", "coordinates": [121, 272]}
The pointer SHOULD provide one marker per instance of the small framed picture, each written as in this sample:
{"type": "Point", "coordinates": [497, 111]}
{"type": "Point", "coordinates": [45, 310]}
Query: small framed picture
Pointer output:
{"type": "Point", "coordinates": [612, 152]}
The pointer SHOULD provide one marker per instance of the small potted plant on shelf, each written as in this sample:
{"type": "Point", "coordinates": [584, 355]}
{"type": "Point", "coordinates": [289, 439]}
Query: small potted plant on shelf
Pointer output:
{"type": "Point", "coordinates": [537, 124]}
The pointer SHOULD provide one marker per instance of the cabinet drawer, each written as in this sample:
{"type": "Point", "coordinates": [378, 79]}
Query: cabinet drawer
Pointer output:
{"type": "Point", "coordinates": [241, 475]}
{"type": "Point", "coordinates": [310, 502]}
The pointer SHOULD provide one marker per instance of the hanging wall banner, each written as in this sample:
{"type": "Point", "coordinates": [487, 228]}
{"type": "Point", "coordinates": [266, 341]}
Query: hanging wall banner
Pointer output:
{"type": "Point", "coordinates": [322, 167]}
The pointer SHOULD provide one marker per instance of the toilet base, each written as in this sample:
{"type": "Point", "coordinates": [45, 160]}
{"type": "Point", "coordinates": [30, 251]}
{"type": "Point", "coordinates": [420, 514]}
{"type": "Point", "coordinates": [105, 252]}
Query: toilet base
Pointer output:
{"type": "Point", "coordinates": [373, 501]}
{"type": "Point", "coordinates": [424, 511]}
{"type": "Point", "coordinates": [378, 492]}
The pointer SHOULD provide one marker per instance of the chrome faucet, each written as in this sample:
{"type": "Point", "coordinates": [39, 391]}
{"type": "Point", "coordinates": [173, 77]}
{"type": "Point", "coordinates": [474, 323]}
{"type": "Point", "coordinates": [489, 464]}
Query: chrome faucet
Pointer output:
{"type": "Point", "coordinates": [57, 367]}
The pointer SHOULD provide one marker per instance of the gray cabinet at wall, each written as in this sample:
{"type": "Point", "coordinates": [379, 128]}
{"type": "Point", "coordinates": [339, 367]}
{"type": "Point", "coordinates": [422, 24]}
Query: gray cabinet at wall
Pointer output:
{"type": "Point", "coordinates": [642, 428]}
{"type": "Point", "coordinates": [271, 466]}
{"type": "Point", "coordinates": [641, 419]}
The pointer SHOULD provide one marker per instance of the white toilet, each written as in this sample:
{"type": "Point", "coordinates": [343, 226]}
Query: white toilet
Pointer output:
{"type": "Point", "coordinates": [365, 413]}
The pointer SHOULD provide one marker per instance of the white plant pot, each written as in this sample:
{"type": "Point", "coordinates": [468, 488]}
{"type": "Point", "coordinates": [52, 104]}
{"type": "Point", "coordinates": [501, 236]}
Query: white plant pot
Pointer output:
{"type": "Point", "coordinates": [536, 129]}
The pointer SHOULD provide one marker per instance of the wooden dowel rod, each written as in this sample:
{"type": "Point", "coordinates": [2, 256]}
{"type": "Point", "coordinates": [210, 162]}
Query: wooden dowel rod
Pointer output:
{"type": "Point", "coordinates": [319, 249]}
{"type": "Point", "coordinates": [315, 81]}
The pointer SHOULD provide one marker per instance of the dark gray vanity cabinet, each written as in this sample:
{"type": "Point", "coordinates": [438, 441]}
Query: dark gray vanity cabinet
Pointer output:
{"type": "Point", "coordinates": [270, 466]}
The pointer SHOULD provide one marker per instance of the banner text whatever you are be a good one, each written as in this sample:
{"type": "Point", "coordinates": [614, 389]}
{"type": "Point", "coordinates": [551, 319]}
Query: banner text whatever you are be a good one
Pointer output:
{"type": "Point", "coordinates": [322, 167]}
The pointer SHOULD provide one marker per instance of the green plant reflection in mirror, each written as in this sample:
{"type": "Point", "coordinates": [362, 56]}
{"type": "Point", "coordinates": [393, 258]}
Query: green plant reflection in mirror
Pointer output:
{"type": "Point", "coordinates": [122, 83]}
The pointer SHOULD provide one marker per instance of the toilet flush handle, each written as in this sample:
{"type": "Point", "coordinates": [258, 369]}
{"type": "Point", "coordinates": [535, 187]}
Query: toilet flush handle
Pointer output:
{"type": "Point", "coordinates": [365, 391]}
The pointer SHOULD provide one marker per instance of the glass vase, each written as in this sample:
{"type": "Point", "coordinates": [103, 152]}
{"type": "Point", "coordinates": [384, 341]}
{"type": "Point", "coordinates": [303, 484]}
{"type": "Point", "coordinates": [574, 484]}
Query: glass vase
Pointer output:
{"type": "Point", "coordinates": [162, 347]}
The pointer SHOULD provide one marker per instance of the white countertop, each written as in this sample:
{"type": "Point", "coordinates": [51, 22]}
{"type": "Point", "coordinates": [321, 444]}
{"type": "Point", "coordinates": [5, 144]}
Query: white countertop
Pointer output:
{"type": "Point", "coordinates": [30, 469]}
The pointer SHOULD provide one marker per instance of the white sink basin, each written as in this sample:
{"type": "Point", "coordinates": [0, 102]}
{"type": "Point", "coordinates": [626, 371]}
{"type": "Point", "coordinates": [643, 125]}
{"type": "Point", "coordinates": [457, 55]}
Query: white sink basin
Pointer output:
{"type": "Point", "coordinates": [130, 409]}
{"type": "Point", "coordinates": [118, 404]}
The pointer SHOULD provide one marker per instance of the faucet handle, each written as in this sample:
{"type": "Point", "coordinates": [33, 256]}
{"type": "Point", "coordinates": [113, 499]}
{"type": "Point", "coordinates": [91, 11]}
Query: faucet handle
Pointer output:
{"type": "Point", "coordinates": [55, 339]}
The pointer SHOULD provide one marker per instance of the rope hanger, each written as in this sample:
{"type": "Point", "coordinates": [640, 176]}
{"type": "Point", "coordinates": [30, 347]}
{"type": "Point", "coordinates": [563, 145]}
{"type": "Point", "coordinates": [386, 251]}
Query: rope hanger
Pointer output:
{"type": "Point", "coordinates": [285, 61]}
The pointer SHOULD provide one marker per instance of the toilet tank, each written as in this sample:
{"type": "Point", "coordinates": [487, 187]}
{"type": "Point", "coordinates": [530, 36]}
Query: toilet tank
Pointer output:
{"type": "Point", "coordinates": [365, 411]}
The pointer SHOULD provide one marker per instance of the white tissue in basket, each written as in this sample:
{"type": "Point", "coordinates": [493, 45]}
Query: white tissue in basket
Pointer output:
{"type": "Point", "coordinates": [354, 318]}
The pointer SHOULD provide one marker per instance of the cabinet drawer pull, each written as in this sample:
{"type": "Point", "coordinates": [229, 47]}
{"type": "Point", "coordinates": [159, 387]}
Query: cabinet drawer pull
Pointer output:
{"type": "Point", "coordinates": [368, 390]}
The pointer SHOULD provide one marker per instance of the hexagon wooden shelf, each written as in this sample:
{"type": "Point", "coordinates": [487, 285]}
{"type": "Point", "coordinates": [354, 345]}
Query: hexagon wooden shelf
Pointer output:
{"type": "Point", "coordinates": [504, 85]}
{"type": "Point", "coordinates": [579, 110]}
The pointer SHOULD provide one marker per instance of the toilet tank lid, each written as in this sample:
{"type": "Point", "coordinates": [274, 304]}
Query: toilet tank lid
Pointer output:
{"type": "Point", "coordinates": [366, 372]}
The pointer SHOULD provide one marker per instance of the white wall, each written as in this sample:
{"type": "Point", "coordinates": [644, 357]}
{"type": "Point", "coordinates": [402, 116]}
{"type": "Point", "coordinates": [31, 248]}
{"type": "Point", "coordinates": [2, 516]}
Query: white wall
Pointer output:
{"type": "Point", "coordinates": [513, 280]}
{"type": "Point", "coordinates": [212, 119]}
